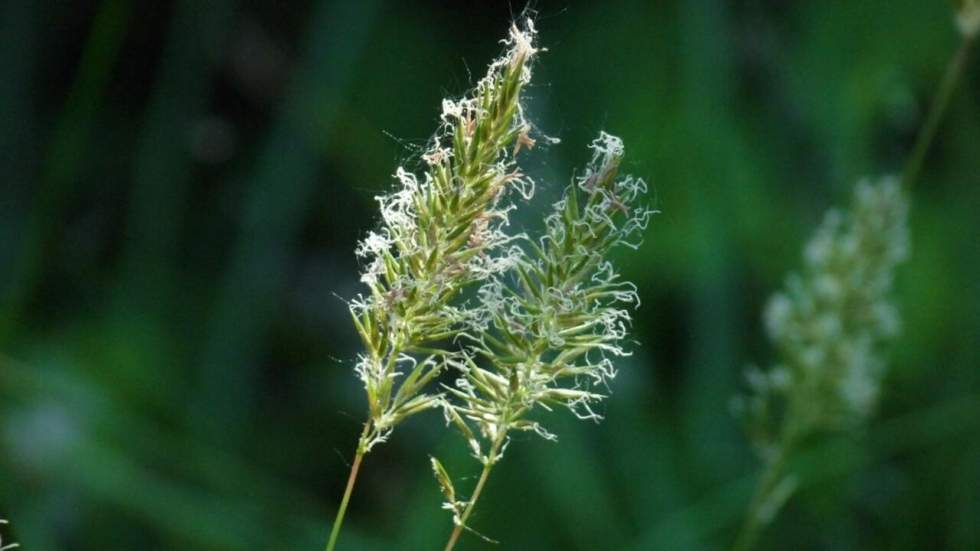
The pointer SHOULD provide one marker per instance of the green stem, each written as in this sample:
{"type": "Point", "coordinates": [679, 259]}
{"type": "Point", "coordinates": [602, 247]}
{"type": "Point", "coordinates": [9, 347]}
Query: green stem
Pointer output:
{"type": "Point", "coordinates": [757, 518]}
{"type": "Point", "coordinates": [351, 480]}
{"type": "Point", "coordinates": [458, 529]}
{"type": "Point", "coordinates": [936, 111]}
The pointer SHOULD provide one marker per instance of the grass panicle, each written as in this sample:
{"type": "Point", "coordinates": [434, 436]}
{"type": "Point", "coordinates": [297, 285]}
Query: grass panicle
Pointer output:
{"type": "Point", "coordinates": [829, 326]}
{"type": "Point", "coordinates": [441, 231]}
{"type": "Point", "coordinates": [549, 329]}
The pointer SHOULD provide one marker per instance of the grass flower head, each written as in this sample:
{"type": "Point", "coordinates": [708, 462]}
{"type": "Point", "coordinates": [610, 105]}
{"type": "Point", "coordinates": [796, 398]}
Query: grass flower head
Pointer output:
{"type": "Point", "coordinates": [831, 320]}
{"type": "Point", "coordinates": [829, 326]}
{"type": "Point", "coordinates": [441, 231]}
{"type": "Point", "coordinates": [548, 330]}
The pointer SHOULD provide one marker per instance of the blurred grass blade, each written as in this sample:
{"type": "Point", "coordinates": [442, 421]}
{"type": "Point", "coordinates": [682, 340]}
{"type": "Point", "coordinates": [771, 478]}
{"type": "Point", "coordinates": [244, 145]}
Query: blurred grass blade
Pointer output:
{"type": "Point", "coordinates": [65, 154]}
{"type": "Point", "coordinates": [277, 197]}
{"type": "Point", "coordinates": [162, 171]}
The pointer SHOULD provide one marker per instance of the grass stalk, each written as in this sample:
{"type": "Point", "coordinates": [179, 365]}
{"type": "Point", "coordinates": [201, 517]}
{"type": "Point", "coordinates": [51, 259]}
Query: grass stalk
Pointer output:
{"type": "Point", "coordinates": [351, 481]}
{"type": "Point", "coordinates": [950, 80]}
{"type": "Point", "coordinates": [487, 467]}
{"type": "Point", "coordinates": [757, 517]}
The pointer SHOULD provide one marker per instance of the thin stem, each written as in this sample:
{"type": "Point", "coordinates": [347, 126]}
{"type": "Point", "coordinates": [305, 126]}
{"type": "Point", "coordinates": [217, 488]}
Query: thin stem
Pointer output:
{"type": "Point", "coordinates": [351, 480]}
{"type": "Point", "coordinates": [757, 518]}
{"type": "Point", "coordinates": [458, 529]}
{"type": "Point", "coordinates": [762, 509]}
{"type": "Point", "coordinates": [936, 111]}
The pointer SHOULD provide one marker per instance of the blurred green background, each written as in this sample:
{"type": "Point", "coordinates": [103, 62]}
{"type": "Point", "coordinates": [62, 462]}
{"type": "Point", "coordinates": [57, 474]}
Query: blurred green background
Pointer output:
{"type": "Point", "coordinates": [182, 185]}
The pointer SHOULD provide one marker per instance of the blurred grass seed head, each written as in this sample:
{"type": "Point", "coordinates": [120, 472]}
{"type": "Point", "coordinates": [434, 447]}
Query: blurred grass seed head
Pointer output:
{"type": "Point", "coordinates": [831, 320]}
{"type": "Point", "coordinates": [968, 18]}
